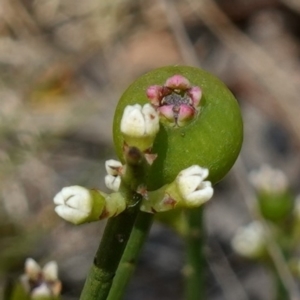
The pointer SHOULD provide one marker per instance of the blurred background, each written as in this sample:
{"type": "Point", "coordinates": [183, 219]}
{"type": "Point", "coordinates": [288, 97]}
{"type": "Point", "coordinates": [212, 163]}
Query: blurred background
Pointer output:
{"type": "Point", "coordinates": [63, 67]}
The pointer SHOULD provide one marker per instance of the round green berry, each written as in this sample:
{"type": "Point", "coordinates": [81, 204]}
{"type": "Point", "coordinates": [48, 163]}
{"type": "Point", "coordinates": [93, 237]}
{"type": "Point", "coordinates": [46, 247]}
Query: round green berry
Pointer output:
{"type": "Point", "coordinates": [208, 133]}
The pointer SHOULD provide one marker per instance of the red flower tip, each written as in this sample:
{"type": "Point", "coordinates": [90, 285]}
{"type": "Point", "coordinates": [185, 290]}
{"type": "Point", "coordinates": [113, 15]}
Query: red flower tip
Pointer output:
{"type": "Point", "coordinates": [195, 93]}
{"type": "Point", "coordinates": [178, 82]}
{"type": "Point", "coordinates": [154, 93]}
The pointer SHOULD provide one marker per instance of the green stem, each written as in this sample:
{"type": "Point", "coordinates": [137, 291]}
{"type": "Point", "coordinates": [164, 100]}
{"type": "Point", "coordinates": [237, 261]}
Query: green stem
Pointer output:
{"type": "Point", "coordinates": [117, 230]}
{"type": "Point", "coordinates": [281, 293]}
{"type": "Point", "coordinates": [280, 290]}
{"type": "Point", "coordinates": [194, 279]}
{"type": "Point", "coordinates": [128, 263]}
{"type": "Point", "coordinates": [108, 256]}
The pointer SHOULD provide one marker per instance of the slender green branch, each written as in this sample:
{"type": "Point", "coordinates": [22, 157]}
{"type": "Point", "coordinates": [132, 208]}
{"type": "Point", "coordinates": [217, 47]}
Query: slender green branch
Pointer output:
{"type": "Point", "coordinates": [117, 231]}
{"type": "Point", "coordinates": [194, 246]}
{"type": "Point", "coordinates": [193, 271]}
{"type": "Point", "coordinates": [281, 292]}
{"type": "Point", "coordinates": [128, 263]}
{"type": "Point", "coordinates": [108, 256]}
{"type": "Point", "coordinates": [280, 289]}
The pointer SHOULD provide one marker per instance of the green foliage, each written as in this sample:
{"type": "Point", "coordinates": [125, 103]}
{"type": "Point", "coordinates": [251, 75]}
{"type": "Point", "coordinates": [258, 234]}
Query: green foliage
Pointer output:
{"type": "Point", "coordinates": [18, 293]}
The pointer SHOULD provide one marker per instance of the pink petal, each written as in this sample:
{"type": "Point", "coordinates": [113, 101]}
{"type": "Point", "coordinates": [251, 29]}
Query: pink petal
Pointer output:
{"type": "Point", "coordinates": [178, 82]}
{"type": "Point", "coordinates": [154, 94]}
{"type": "Point", "coordinates": [195, 93]}
{"type": "Point", "coordinates": [167, 112]}
{"type": "Point", "coordinates": [186, 112]}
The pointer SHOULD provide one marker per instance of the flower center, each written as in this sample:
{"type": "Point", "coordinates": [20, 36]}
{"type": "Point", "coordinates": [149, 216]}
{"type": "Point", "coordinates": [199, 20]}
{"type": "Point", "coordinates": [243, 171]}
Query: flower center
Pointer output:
{"type": "Point", "coordinates": [177, 99]}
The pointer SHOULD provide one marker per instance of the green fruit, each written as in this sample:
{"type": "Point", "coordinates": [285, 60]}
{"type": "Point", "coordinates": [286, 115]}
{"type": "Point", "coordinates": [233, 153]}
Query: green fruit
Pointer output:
{"type": "Point", "coordinates": [212, 139]}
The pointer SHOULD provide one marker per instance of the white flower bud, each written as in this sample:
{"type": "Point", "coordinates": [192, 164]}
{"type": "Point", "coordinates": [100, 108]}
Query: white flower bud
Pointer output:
{"type": "Point", "coordinates": [32, 268]}
{"type": "Point", "coordinates": [269, 180]}
{"type": "Point", "coordinates": [249, 241]}
{"type": "Point", "coordinates": [113, 167]}
{"type": "Point", "coordinates": [140, 125]}
{"type": "Point", "coordinates": [188, 190]}
{"type": "Point", "coordinates": [79, 205]}
{"type": "Point", "coordinates": [50, 271]}
{"type": "Point", "coordinates": [74, 204]}
{"type": "Point", "coordinates": [112, 182]}
{"type": "Point", "coordinates": [191, 186]}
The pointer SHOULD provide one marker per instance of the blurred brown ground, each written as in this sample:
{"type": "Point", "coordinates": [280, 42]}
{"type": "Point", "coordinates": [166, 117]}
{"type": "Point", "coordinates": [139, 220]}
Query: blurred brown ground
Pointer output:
{"type": "Point", "coordinates": [63, 66]}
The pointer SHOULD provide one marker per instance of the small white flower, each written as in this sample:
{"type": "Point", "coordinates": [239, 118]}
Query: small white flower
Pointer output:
{"type": "Point", "coordinates": [74, 204]}
{"type": "Point", "coordinates": [249, 241]}
{"type": "Point", "coordinates": [113, 167]}
{"type": "Point", "coordinates": [140, 125]}
{"type": "Point", "coordinates": [112, 182]}
{"type": "Point", "coordinates": [191, 186]}
{"type": "Point", "coordinates": [41, 282]}
{"type": "Point", "coordinates": [188, 190]}
{"type": "Point", "coordinates": [269, 180]}
{"type": "Point", "coordinates": [41, 291]}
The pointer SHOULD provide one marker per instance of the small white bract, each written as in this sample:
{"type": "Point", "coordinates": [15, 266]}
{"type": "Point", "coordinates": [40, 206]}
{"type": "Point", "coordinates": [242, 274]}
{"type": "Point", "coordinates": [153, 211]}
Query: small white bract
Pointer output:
{"type": "Point", "coordinates": [74, 204]}
{"type": "Point", "coordinates": [269, 180]}
{"type": "Point", "coordinates": [191, 186]}
{"type": "Point", "coordinates": [249, 241]}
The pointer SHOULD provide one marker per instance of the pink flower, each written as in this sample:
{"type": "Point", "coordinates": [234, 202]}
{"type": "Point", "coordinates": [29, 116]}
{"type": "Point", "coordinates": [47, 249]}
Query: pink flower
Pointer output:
{"type": "Point", "coordinates": [177, 100]}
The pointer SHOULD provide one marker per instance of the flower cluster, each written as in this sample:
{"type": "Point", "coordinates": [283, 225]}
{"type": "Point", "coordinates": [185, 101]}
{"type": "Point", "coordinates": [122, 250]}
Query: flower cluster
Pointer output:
{"type": "Point", "coordinates": [41, 282]}
{"type": "Point", "coordinates": [78, 205]}
{"type": "Point", "coordinates": [177, 100]}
